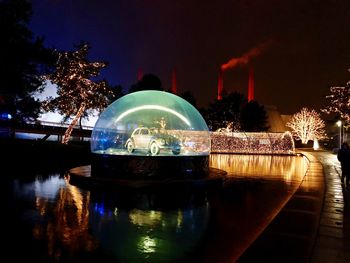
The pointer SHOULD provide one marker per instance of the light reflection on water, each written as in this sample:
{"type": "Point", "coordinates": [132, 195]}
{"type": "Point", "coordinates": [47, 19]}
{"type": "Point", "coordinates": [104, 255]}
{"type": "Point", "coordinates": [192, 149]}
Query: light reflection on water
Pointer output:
{"type": "Point", "coordinates": [63, 218]}
{"type": "Point", "coordinates": [76, 224]}
{"type": "Point", "coordinates": [158, 236]}
{"type": "Point", "coordinates": [266, 166]}
{"type": "Point", "coordinates": [79, 221]}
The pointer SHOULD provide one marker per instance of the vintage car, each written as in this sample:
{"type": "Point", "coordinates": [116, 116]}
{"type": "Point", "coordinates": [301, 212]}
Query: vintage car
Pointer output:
{"type": "Point", "coordinates": [153, 141]}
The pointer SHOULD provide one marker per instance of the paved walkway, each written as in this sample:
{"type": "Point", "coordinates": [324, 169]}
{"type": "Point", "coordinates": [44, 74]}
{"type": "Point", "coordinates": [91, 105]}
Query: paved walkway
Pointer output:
{"type": "Point", "coordinates": [333, 239]}
{"type": "Point", "coordinates": [314, 224]}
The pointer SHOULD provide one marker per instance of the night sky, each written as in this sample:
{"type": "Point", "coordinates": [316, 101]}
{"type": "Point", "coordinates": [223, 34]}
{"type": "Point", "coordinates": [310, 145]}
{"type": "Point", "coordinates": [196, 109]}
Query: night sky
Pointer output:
{"type": "Point", "coordinates": [308, 50]}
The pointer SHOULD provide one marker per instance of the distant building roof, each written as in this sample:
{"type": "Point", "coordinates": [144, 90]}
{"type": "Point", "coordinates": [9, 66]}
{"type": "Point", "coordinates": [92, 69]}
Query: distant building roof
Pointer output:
{"type": "Point", "coordinates": [275, 120]}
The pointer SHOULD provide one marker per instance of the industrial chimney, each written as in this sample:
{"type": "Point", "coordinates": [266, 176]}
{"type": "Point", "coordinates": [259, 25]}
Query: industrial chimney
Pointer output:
{"type": "Point", "coordinates": [139, 74]}
{"type": "Point", "coordinates": [251, 84]}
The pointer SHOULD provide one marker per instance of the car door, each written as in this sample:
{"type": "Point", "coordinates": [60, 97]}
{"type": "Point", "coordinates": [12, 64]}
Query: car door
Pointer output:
{"type": "Point", "coordinates": [144, 138]}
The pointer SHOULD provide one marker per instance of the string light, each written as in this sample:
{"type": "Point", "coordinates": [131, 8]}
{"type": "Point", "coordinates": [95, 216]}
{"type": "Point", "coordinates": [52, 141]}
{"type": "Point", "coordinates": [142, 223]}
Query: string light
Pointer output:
{"type": "Point", "coordinates": [339, 102]}
{"type": "Point", "coordinates": [252, 142]}
{"type": "Point", "coordinates": [77, 94]}
{"type": "Point", "coordinates": [307, 125]}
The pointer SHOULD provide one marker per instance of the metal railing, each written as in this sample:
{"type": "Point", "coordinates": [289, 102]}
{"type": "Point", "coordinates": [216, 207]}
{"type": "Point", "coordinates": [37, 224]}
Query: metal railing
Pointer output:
{"type": "Point", "coordinates": [65, 125]}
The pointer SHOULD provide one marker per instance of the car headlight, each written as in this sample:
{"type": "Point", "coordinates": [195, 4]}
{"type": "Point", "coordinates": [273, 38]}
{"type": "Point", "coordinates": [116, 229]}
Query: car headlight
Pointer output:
{"type": "Point", "coordinates": [162, 141]}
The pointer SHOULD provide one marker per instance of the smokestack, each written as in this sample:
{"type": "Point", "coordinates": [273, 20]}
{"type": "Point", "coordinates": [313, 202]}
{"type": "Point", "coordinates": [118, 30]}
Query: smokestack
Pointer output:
{"type": "Point", "coordinates": [173, 82]}
{"type": "Point", "coordinates": [251, 84]}
{"type": "Point", "coordinates": [220, 83]}
{"type": "Point", "coordinates": [139, 74]}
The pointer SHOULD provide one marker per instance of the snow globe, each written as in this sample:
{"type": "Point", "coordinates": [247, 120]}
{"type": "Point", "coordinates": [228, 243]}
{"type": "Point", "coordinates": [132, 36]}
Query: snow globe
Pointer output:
{"type": "Point", "coordinates": [149, 134]}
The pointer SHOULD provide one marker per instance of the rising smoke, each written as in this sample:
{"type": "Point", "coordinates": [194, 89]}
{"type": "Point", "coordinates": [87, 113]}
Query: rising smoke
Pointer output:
{"type": "Point", "coordinates": [246, 57]}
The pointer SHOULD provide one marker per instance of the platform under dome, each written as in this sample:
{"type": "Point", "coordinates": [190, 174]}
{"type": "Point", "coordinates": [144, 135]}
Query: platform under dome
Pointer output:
{"type": "Point", "coordinates": [150, 133]}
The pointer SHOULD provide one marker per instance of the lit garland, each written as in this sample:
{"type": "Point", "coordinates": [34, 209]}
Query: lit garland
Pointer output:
{"type": "Point", "coordinates": [252, 142]}
{"type": "Point", "coordinates": [76, 92]}
{"type": "Point", "coordinates": [307, 125]}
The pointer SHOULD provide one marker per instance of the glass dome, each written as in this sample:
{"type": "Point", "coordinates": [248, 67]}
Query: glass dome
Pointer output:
{"type": "Point", "coordinates": [151, 123]}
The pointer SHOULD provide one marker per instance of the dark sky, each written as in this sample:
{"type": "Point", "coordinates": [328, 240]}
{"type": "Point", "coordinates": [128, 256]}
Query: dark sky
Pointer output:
{"type": "Point", "coordinates": [309, 50]}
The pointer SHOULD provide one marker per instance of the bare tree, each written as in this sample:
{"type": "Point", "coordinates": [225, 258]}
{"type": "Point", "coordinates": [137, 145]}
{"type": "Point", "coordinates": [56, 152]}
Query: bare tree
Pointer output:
{"type": "Point", "coordinates": [307, 125]}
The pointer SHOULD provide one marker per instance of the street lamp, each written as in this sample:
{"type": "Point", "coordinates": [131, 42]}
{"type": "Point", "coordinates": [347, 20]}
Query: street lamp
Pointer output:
{"type": "Point", "coordinates": [339, 125]}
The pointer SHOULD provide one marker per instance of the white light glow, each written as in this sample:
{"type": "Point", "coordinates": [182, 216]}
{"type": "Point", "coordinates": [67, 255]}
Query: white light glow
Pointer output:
{"type": "Point", "coordinates": [145, 218]}
{"type": "Point", "coordinates": [307, 125]}
{"type": "Point", "coordinates": [154, 107]}
{"type": "Point", "coordinates": [339, 123]}
{"type": "Point", "coordinates": [147, 244]}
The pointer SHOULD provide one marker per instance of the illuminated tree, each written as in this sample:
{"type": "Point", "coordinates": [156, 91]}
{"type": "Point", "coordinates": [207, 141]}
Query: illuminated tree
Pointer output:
{"type": "Point", "coordinates": [76, 91]}
{"type": "Point", "coordinates": [339, 102]}
{"type": "Point", "coordinates": [307, 125]}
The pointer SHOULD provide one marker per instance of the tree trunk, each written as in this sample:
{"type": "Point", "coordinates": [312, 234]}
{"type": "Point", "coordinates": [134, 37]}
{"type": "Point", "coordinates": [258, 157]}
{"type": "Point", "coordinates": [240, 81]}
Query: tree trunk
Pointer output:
{"type": "Point", "coordinates": [69, 130]}
{"type": "Point", "coordinates": [81, 126]}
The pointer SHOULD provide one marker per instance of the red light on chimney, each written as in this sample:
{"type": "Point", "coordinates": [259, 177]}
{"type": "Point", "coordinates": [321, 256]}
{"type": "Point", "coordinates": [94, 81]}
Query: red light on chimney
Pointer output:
{"type": "Point", "coordinates": [251, 84]}
{"type": "Point", "coordinates": [139, 74]}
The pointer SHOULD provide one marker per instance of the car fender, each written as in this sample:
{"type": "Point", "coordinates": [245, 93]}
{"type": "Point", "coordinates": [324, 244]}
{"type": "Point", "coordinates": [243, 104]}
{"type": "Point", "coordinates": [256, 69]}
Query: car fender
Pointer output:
{"type": "Point", "coordinates": [129, 140]}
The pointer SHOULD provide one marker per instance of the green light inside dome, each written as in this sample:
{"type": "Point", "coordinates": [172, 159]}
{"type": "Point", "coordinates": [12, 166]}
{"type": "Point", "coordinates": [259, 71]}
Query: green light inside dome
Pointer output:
{"type": "Point", "coordinates": [154, 123]}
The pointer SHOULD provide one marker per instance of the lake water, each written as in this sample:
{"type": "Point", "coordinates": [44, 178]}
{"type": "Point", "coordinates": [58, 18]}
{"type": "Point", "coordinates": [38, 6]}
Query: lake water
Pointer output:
{"type": "Point", "coordinates": [45, 218]}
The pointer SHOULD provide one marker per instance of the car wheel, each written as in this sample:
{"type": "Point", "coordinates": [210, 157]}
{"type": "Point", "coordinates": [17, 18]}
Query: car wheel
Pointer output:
{"type": "Point", "coordinates": [130, 147]}
{"type": "Point", "coordinates": [154, 149]}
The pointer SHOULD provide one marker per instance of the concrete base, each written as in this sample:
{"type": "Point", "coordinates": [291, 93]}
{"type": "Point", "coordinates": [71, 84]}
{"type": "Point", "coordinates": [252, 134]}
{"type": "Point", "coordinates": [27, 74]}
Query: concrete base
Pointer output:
{"type": "Point", "coordinates": [82, 176]}
{"type": "Point", "coordinates": [149, 167]}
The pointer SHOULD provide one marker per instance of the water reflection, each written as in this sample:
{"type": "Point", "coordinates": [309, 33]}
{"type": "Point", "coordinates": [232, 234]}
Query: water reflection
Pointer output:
{"type": "Point", "coordinates": [137, 235]}
{"type": "Point", "coordinates": [72, 224]}
{"type": "Point", "coordinates": [268, 166]}
{"type": "Point", "coordinates": [63, 215]}
{"type": "Point", "coordinates": [120, 226]}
